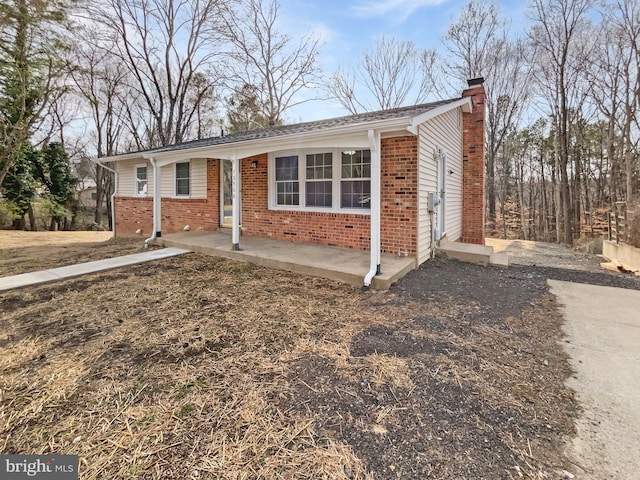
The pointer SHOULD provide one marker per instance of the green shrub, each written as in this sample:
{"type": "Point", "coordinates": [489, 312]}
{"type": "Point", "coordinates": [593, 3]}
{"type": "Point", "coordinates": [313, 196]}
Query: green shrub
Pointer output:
{"type": "Point", "coordinates": [9, 211]}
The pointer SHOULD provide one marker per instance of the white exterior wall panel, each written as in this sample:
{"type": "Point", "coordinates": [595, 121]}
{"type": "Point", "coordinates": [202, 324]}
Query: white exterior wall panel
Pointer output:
{"type": "Point", "coordinates": [126, 178]}
{"type": "Point", "coordinates": [444, 132]}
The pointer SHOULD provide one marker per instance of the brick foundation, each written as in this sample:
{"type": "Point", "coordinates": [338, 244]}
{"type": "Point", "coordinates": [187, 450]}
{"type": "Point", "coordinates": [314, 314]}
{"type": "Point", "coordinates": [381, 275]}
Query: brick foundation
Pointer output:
{"type": "Point", "coordinates": [473, 168]}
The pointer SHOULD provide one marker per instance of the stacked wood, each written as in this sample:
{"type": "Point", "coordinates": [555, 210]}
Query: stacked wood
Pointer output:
{"type": "Point", "coordinates": [596, 222]}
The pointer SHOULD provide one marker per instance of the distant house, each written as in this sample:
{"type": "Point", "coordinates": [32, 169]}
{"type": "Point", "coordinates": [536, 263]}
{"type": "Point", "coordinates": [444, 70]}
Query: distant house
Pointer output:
{"type": "Point", "coordinates": [392, 181]}
{"type": "Point", "coordinates": [87, 194]}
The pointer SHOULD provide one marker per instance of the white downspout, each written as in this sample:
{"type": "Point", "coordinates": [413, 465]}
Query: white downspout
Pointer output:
{"type": "Point", "coordinates": [113, 197]}
{"type": "Point", "coordinates": [374, 145]}
{"type": "Point", "coordinates": [235, 203]}
{"type": "Point", "coordinates": [156, 232]}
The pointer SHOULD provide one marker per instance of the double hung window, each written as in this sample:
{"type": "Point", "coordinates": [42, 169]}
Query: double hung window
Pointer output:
{"type": "Point", "coordinates": [325, 180]}
{"type": "Point", "coordinates": [183, 182]}
{"type": "Point", "coordinates": [141, 180]}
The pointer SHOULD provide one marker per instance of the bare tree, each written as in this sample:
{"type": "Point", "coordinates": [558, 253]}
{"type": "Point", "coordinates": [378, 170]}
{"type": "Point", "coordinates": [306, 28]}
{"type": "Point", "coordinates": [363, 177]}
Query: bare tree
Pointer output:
{"type": "Point", "coordinates": [560, 36]}
{"type": "Point", "coordinates": [477, 42]}
{"type": "Point", "coordinates": [277, 67]}
{"type": "Point", "coordinates": [474, 39]}
{"type": "Point", "coordinates": [392, 74]}
{"type": "Point", "coordinates": [168, 48]}
{"type": "Point", "coordinates": [102, 85]}
{"type": "Point", "coordinates": [615, 80]}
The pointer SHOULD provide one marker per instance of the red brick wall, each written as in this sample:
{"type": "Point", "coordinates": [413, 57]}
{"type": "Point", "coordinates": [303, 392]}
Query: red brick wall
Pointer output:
{"type": "Point", "coordinates": [473, 168]}
{"type": "Point", "coordinates": [398, 207]}
{"type": "Point", "coordinates": [399, 183]}
{"type": "Point", "coordinates": [344, 230]}
{"type": "Point", "coordinates": [133, 213]}
{"type": "Point", "coordinates": [399, 202]}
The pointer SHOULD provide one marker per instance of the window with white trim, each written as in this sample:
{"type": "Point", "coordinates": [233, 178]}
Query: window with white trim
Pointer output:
{"type": "Point", "coordinates": [355, 184]}
{"type": "Point", "coordinates": [287, 181]}
{"type": "Point", "coordinates": [183, 179]}
{"type": "Point", "coordinates": [321, 180]}
{"type": "Point", "coordinates": [141, 180]}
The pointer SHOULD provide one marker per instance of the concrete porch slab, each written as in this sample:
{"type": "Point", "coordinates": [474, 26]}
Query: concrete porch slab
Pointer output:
{"type": "Point", "coordinates": [340, 264]}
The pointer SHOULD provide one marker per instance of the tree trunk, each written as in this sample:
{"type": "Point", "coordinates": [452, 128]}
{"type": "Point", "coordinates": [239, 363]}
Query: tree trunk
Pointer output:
{"type": "Point", "coordinates": [32, 218]}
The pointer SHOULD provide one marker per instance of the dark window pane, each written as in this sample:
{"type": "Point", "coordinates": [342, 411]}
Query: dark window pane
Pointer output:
{"type": "Point", "coordinates": [355, 194]}
{"type": "Point", "coordinates": [356, 164]}
{"type": "Point", "coordinates": [286, 168]}
{"type": "Point", "coordinates": [182, 186]}
{"type": "Point", "coordinates": [182, 178]}
{"type": "Point", "coordinates": [182, 170]}
{"type": "Point", "coordinates": [318, 194]}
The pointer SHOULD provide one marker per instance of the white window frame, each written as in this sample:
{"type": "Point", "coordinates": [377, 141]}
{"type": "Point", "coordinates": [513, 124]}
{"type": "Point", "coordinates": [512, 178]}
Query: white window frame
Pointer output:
{"type": "Point", "coordinates": [302, 170]}
{"type": "Point", "coordinates": [175, 180]}
{"type": "Point", "coordinates": [136, 190]}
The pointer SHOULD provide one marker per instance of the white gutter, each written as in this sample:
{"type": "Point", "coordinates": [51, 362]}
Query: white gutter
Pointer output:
{"type": "Point", "coordinates": [113, 197]}
{"type": "Point", "coordinates": [156, 203]}
{"type": "Point", "coordinates": [374, 145]}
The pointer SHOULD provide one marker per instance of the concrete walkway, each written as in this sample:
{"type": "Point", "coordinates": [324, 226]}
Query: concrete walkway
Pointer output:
{"type": "Point", "coordinates": [70, 271]}
{"type": "Point", "coordinates": [603, 331]}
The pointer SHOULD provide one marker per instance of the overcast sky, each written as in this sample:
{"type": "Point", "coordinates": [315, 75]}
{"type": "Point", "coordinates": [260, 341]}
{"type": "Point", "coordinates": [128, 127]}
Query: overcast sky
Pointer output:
{"type": "Point", "coordinates": [349, 27]}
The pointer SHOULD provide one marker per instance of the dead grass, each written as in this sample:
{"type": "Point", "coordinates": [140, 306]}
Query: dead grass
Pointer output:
{"type": "Point", "coordinates": [169, 375]}
{"type": "Point", "coordinates": [188, 368]}
{"type": "Point", "coordinates": [21, 239]}
{"type": "Point", "coordinates": [22, 252]}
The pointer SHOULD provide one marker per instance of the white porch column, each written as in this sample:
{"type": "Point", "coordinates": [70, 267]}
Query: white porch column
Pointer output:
{"type": "Point", "coordinates": [235, 203]}
{"type": "Point", "coordinates": [374, 145]}
{"type": "Point", "coordinates": [157, 200]}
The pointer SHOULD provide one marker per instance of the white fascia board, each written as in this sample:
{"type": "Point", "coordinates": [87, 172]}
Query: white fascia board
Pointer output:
{"type": "Point", "coordinates": [465, 103]}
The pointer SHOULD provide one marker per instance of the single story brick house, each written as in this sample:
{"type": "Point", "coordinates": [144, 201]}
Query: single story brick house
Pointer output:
{"type": "Point", "coordinates": [393, 181]}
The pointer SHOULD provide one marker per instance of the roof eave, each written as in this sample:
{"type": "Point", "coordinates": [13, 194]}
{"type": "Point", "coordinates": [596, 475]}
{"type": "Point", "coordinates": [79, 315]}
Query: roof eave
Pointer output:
{"type": "Point", "coordinates": [405, 123]}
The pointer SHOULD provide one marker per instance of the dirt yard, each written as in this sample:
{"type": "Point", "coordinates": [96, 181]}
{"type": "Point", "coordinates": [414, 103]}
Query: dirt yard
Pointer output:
{"type": "Point", "coordinates": [22, 252]}
{"type": "Point", "coordinates": [201, 368]}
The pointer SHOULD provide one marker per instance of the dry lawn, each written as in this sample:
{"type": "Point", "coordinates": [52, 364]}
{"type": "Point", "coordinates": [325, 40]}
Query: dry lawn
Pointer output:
{"type": "Point", "coordinates": [22, 252]}
{"type": "Point", "coordinates": [201, 368]}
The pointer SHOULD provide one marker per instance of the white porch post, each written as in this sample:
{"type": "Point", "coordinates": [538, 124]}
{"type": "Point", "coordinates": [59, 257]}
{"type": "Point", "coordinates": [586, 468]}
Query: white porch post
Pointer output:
{"type": "Point", "coordinates": [157, 200]}
{"type": "Point", "coordinates": [374, 145]}
{"type": "Point", "coordinates": [235, 202]}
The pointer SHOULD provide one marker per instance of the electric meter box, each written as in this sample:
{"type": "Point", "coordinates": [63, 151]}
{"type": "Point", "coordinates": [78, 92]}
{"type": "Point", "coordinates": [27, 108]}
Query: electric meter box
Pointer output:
{"type": "Point", "coordinates": [433, 200]}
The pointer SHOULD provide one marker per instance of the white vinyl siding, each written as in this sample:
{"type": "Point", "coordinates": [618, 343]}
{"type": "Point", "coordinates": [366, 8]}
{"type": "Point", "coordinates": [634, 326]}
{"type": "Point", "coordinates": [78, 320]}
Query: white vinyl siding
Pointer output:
{"type": "Point", "coordinates": [126, 178]}
{"type": "Point", "coordinates": [444, 132]}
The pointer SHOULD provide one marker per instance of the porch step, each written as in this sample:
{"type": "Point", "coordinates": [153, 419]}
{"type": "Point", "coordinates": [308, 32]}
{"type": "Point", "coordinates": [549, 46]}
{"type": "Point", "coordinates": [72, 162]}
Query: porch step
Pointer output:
{"type": "Point", "coordinates": [471, 253]}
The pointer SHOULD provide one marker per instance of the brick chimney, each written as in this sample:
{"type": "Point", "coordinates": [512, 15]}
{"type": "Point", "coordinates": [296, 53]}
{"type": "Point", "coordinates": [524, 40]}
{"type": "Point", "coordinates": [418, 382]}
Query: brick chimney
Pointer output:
{"type": "Point", "coordinates": [473, 165]}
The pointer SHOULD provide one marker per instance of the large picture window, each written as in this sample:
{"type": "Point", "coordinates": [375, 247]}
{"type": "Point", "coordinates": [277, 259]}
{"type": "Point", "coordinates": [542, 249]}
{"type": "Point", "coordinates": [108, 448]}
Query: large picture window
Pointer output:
{"type": "Point", "coordinates": [141, 180]}
{"type": "Point", "coordinates": [182, 179]}
{"type": "Point", "coordinates": [287, 182]}
{"type": "Point", "coordinates": [355, 184]}
{"type": "Point", "coordinates": [321, 180]}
